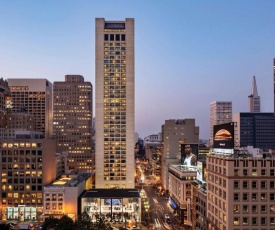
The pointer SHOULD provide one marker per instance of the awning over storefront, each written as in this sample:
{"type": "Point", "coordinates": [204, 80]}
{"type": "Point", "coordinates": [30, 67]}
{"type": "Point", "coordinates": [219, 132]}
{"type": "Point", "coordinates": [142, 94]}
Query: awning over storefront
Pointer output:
{"type": "Point", "coordinates": [112, 193]}
{"type": "Point", "coordinates": [172, 203]}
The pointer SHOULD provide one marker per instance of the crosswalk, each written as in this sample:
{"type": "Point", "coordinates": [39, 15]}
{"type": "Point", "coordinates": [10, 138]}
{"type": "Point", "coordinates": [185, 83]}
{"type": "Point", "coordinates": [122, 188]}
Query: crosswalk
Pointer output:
{"type": "Point", "coordinates": [160, 205]}
{"type": "Point", "coordinates": [157, 223]}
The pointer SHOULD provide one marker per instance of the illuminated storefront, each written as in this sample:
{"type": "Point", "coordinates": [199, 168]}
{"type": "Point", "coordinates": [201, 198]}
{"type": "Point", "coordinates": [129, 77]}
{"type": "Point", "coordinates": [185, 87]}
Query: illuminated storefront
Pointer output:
{"type": "Point", "coordinates": [112, 204]}
{"type": "Point", "coordinates": [21, 213]}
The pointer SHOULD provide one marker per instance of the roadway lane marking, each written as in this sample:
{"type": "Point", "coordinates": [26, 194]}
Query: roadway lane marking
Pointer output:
{"type": "Point", "coordinates": [158, 224]}
{"type": "Point", "coordinates": [155, 200]}
{"type": "Point", "coordinates": [161, 207]}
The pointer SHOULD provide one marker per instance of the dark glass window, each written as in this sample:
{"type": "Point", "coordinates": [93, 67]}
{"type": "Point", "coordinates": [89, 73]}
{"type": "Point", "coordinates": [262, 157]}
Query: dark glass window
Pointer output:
{"type": "Point", "coordinates": [122, 37]}
{"type": "Point", "coordinates": [106, 37]}
{"type": "Point", "coordinates": [112, 37]}
{"type": "Point", "coordinates": [117, 37]}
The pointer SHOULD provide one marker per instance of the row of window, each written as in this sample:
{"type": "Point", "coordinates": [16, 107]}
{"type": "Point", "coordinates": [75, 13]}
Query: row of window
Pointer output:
{"type": "Point", "coordinates": [114, 178]}
{"type": "Point", "coordinates": [254, 172]}
{"type": "Point", "coordinates": [22, 195]}
{"type": "Point", "coordinates": [21, 201]}
{"type": "Point", "coordinates": [54, 206]}
{"type": "Point", "coordinates": [245, 184]}
{"type": "Point", "coordinates": [19, 88]}
{"type": "Point", "coordinates": [113, 53]}
{"type": "Point", "coordinates": [21, 145]}
{"type": "Point", "coordinates": [53, 196]}
{"type": "Point", "coordinates": [23, 188]}
{"type": "Point", "coordinates": [22, 174]}
{"type": "Point", "coordinates": [254, 209]}
{"type": "Point", "coordinates": [114, 152]}
{"type": "Point", "coordinates": [115, 161]}
{"type": "Point", "coordinates": [254, 196]}
{"type": "Point", "coordinates": [114, 37]}
{"type": "Point", "coordinates": [253, 221]}
{"type": "Point", "coordinates": [253, 184]}
{"type": "Point", "coordinates": [21, 160]}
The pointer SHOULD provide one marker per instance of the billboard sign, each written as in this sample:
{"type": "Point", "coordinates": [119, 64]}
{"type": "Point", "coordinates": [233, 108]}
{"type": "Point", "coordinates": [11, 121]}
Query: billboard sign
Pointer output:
{"type": "Point", "coordinates": [189, 154]}
{"type": "Point", "coordinates": [201, 171]}
{"type": "Point", "coordinates": [224, 136]}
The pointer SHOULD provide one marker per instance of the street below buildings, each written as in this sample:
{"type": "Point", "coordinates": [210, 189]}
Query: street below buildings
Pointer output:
{"type": "Point", "coordinates": [159, 206]}
{"type": "Point", "coordinates": [154, 217]}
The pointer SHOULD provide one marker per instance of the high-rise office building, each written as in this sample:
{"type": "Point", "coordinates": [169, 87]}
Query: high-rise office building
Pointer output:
{"type": "Point", "coordinates": [73, 121]}
{"type": "Point", "coordinates": [254, 103]}
{"type": "Point", "coordinates": [255, 129]}
{"type": "Point", "coordinates": [33, 96]}
{"type": "Point", "coordinates": [4, 92]}
{"type": "Point", "coordinates": [115, 103]}
{"type": "Point", "coordinates": [220, 112]}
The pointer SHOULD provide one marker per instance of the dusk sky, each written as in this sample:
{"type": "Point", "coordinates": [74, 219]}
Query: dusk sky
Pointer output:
{"type": "Point", "coordinates": [187, 53]}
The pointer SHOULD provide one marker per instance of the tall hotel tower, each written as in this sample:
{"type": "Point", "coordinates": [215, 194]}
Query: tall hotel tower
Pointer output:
{"type": "Point", "coordinates": [220, 112]}
{"type": "Point", "coordinates": [254, 103]}
{"type": "Point", "coordinates": [274, 82]}
{"type": "Point", "coordinates": [33, 96]}
{"type": "Point", "coordinates": [115, 103]}
{"type": "Point", "coordinates": [73, 121]}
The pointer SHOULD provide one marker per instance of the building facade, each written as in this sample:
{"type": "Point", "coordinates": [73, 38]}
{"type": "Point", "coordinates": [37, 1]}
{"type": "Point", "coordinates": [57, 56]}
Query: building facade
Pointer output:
{"type": "Point", "coordinates": [255, 129]}
{"type": "Point", "coordinates": [4, 93]}
{"type": "Point", "coordinates": [73, 114]}
{"type": "Point", "coordinates": [26, 166]}
{"type": "Point", "coordinates": [35, 97]}
{"type": "Point", "coordinates": [199, 206]}
{"type": "Point", "coordinates": [180, 200]}
{"type": "Point", "coordinates": [115, 104]}
{"type": "Point", "coordinates": [240, 192]}
{"type": "Point", "coordinates": [220, 112]}
{"type": "Point", "coordinates": [175, 133]}
{"type": "Point", "coordinates": [254, 102]}
{"type": "Point", "coordinates": [152, 153]}
{"type": "Point", "coordinates": [153, 138]}
{"type": "Point", "coordinates": [274, 82]}
{"type": "Point", "coordinates": [18, 121]}
{"type": "Point", "coordinates": [114, 205]}
{"type": "Point", "coordinates": [61, 196]}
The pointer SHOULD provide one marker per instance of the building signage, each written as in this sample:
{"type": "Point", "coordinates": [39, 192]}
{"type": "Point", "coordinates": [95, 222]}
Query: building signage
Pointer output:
{"type": "Point", "coordinates": [189, 154]}
{"type": "Point", "coordinates": [224, 136]}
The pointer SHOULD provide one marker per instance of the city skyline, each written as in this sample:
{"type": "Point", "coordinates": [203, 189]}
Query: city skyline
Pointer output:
{"type": "Point", "coordinates": [207, 50]}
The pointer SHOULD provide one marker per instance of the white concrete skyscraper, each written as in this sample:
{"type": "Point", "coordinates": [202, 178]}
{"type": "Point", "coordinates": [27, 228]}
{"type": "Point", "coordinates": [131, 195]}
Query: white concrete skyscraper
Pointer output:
{"type": "Point", "coordinates": [254, 102]}
{"type": "Point", "coordinates": [115, 103]}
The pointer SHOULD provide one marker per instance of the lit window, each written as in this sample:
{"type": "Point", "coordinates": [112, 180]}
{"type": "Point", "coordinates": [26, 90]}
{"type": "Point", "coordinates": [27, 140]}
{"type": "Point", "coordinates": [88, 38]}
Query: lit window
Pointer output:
{"type": "Point", "coordinates": [236, 221]}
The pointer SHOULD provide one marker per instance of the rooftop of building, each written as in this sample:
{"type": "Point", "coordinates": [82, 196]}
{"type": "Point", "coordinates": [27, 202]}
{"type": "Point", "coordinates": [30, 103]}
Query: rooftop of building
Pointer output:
{"type": "Point", "coordinates": [200, 185]}
{"type": "Point", "coordinates": [243, 154]}
{"type": "Point", "coordinates": [70, 180]}
{"type": "Point", "coordinates": [184, 168]}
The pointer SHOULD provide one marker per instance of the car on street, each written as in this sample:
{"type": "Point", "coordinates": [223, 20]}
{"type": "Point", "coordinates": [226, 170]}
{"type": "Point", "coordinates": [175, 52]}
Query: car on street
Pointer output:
{"type": "Point", "coordinates": [167, 218]}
